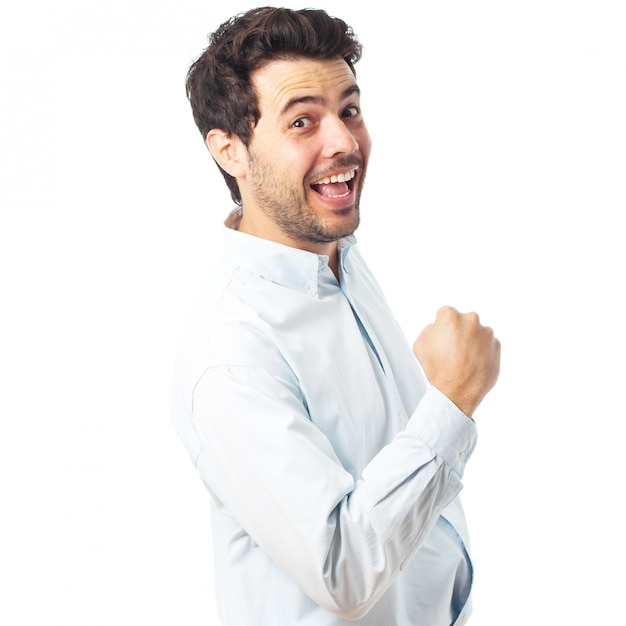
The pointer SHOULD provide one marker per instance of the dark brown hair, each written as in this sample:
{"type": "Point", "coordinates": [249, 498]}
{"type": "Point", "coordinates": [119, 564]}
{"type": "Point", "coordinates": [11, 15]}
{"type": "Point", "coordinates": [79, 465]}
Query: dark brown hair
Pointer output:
{"type": "Point", "coordinates": [218, 83]}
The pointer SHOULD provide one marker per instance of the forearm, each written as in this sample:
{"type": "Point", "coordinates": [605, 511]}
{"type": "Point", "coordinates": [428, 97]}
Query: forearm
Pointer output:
{"type": "Point", "coordinates": [343, 539]}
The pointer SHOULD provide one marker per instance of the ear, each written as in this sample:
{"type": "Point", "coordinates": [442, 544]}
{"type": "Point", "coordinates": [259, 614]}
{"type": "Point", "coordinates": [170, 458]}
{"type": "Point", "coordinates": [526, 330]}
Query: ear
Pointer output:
{"type": "Point", "coordinates": [227, 150]}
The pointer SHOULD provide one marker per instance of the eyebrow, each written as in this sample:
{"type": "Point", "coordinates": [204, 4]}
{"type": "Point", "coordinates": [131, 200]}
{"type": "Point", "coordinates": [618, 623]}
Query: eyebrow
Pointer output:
{"type": "Point", "coordinates": [319, 100]}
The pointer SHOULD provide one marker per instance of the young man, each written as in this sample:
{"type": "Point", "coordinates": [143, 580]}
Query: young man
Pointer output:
{"type": "Point", "coordinates": [334, 468]}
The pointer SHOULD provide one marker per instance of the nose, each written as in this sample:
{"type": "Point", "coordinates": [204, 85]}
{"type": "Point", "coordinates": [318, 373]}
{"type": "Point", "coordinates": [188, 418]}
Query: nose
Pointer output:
{"type": "Point", "coordinates": [338, 138]}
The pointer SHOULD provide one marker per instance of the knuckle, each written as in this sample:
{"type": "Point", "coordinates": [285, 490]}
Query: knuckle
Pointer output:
{"type": "Point", "coordinates": [472, 319]}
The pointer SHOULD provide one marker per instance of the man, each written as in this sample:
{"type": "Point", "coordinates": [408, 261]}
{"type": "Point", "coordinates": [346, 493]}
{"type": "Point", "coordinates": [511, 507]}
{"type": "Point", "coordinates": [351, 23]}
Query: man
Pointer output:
{"type": "Point", "coordinates": [334, 468]}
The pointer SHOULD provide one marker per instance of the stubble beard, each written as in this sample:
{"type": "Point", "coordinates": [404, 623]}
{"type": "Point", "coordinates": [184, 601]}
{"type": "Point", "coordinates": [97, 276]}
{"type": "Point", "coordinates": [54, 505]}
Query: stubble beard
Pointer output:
{"type": "Point", "coordinates": [286, 206]}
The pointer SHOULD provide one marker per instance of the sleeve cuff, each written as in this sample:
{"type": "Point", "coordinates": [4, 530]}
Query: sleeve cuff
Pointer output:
{"type": "Point", "coordinates": [444, 428]}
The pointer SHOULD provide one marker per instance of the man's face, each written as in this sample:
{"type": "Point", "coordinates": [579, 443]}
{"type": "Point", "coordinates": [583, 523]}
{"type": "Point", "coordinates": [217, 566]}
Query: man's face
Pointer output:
{"type": "Point", "coordinates": [308, 153]}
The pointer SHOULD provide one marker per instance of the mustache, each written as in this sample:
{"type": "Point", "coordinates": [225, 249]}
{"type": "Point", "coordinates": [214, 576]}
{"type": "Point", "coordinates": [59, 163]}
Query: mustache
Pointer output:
{"type": "Point", "coordinates": [347, 161]}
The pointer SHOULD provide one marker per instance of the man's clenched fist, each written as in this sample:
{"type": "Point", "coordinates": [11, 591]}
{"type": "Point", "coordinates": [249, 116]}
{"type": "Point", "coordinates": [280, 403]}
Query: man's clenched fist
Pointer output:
{"type": "Point", "coordinates": [460, 357]}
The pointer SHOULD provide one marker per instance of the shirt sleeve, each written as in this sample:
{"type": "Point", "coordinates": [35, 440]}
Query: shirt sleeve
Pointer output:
{"type": "Point", "coordinates": [343, 540]}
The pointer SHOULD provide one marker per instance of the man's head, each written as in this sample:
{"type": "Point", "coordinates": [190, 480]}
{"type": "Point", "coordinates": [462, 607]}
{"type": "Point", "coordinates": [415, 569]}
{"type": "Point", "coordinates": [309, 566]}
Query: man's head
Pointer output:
{"type": "Point", "coordinates": [220, 83]}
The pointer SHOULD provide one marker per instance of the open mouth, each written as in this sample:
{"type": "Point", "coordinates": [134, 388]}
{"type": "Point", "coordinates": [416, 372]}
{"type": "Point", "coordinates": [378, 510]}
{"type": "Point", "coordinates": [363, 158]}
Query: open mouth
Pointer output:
{"type": "Point", "coordinates": [335, 186]}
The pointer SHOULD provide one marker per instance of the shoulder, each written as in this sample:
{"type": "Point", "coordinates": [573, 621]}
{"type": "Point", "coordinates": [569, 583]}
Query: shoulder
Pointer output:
{"type": "Point", "coordinates": [227, 327]}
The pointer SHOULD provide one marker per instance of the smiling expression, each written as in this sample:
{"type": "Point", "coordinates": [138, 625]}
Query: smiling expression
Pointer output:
{"type": "Point", "coordinates": [308, 154]}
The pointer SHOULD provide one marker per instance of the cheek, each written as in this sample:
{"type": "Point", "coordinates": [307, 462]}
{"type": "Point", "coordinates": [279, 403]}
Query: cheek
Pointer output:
{"type": "Point", "coordinates": [291, 161]}
{"type": "Point", "coordinates": [283, 157]}
{"type": "Point", "coordinates": [365, 143]}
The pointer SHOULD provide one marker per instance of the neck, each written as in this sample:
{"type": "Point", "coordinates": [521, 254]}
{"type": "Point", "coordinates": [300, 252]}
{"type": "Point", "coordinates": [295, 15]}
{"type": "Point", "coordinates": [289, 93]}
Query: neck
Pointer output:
{"type": "Point", "coordinates": [333, 262]}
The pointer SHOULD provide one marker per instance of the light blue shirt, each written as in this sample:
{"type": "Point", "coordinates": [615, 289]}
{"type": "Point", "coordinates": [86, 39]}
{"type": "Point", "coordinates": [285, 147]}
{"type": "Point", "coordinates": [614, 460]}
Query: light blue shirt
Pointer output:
{"type": "Point", "coordinates": [334, 468]}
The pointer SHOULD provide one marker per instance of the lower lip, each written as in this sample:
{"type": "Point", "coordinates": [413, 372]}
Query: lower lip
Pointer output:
{"type": "Point", "coordinates": [339, 202]}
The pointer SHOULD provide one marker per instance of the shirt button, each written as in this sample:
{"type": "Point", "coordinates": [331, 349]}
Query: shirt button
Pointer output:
{"type": "Point", "coordinates": [312, 292]}
{"type": "Point", "coordinates": [402, 417]}
{"type": "Point", "coordinates": [464, 619]}
{"type": "Point", "coordinates": [462, 457]}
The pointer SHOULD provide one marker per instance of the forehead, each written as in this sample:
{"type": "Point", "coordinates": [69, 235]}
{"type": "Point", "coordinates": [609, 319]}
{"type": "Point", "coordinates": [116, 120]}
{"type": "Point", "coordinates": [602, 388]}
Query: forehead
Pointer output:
{"type": "Point", "coordinates": [281, 82]}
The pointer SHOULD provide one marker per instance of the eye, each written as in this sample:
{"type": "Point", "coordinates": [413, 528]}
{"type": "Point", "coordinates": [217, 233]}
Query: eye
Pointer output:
{"type": "Point", "coordinates": [301, 122]}
{"type": "Point", "coordinates": [352, 111]}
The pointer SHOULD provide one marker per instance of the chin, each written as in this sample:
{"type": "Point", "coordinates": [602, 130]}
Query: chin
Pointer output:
{"type": "Point", "coordinates": [346, 226]}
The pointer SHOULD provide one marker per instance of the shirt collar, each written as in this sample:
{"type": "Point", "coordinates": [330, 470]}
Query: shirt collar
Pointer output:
{"type": "Point", "coordinates": [290, 267]}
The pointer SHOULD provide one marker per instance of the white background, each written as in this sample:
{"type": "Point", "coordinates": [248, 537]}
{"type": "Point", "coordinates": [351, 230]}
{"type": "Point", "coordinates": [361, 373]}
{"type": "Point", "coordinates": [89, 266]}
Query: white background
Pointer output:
{"type": "Point", "coordinates": [497, 183]}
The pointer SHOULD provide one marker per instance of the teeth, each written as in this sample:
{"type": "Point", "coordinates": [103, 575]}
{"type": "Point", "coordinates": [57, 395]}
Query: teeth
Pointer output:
{"type": "Point", "coordinates": [337, 178]}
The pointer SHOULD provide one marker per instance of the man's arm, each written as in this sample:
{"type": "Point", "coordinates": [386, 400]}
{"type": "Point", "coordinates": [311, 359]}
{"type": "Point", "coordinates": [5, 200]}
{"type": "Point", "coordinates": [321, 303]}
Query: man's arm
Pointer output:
{"type": "Point", "coordinates": [343, 540]}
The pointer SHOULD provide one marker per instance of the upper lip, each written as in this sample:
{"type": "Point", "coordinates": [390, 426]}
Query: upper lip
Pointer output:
{"type": "Point", "coordinates": [340, 177]}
